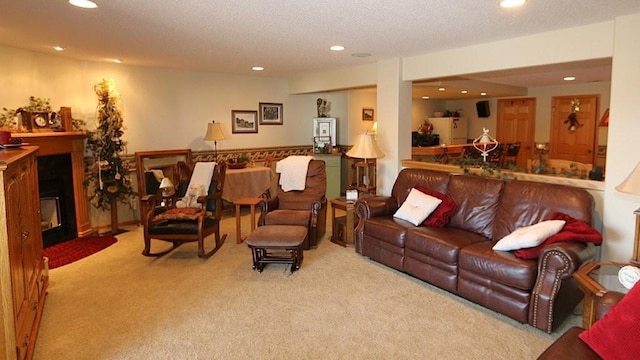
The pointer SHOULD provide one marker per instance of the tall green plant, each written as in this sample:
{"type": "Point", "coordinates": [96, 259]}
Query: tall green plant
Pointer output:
{"type": "Point", "coordinates": [110, 180]}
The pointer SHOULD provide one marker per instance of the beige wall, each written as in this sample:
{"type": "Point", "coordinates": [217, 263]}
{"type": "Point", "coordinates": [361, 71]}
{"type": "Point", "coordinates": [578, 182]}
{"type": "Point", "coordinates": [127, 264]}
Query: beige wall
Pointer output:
{"type": "Point", "coordinates": [169, 108]}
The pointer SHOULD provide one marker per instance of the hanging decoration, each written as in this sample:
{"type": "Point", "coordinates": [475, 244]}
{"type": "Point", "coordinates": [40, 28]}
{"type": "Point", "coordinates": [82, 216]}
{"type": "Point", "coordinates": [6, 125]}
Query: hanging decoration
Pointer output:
{"type": "Point", "coordinates": [111, 180]}
{"type": "Point", "coordinates": [572, 119]}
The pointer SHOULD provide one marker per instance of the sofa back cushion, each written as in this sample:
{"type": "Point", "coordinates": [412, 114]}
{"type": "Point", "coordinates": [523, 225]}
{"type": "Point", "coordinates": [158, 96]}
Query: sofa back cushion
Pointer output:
{"type": "Point", "coordinates": [525, 203]}
{"type": "Point", "coordinates": [408, 178]}
{"type": "Point", "coordinates": [477, 200]}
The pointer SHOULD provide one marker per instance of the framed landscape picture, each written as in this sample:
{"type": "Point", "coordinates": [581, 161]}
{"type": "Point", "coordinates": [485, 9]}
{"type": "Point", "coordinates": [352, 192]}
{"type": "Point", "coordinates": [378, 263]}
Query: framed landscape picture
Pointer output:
{"type": "Point", "coordinates": [367, 114]}
{"type": "Point", "coordinates": [270, 114]}
{"type": "Point", "coordinates": [244, 121]}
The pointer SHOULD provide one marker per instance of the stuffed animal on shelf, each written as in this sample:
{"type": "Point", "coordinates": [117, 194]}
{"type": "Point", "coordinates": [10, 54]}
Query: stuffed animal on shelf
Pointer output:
{"type": "Point", "coordinates": [191, 198]}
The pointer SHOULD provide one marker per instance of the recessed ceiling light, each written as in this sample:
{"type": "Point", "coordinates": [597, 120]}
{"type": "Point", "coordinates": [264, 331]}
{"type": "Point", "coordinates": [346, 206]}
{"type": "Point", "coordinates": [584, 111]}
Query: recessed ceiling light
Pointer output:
{"type": "Point", "coordinates": [569, 78]}
{"type": "Point", "coordinates": [361, 55]}
{"type": "Point", "coordinates": [85, 4]}
{"type": "Point", "coordinates": [463, 91]}
{"type": "Point", "coordinates": [257, 68]}
{"type": "Point", "coordinates": [511, 3]}
{"type": "Point", "coordinates": [425, 97]}
{"type": "Point", "coordinates": [337, 48]}
{"type": "Point", "coordinates": [441, 89]}
{"type": "Point", "coordinates": [483, 94]}
{"type": "Point", "coordinates": [58, 48]}
{"type": "Point", "coordinates": [117, 61]}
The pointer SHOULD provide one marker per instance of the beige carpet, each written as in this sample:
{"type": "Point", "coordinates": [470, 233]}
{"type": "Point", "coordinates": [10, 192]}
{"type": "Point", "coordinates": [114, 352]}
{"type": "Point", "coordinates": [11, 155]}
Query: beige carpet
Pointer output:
{"type": "Point", "coordinates": [118, 304]}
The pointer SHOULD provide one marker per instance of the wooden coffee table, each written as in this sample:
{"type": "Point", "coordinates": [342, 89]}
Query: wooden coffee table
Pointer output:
{"type": "Point", "coordinates": [596, 279]}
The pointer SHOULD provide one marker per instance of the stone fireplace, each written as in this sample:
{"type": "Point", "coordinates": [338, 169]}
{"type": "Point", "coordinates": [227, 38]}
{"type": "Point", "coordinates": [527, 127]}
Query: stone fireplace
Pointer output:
{"type": "Point", "coordinates": [61, 177]}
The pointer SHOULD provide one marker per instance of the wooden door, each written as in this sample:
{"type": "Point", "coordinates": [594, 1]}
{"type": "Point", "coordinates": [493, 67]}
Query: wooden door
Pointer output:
{"type": "Point", "coordinates": [516, 123]}
{"type": "Point", "coordinates": [574, 144]}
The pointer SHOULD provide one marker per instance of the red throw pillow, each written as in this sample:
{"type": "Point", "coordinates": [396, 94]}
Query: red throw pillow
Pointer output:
{"type": "Point", "coordinates": [617, 334]}
{"type": "Point", "coordinates": [442, 214]}
{"type": "Point", "coordinates": [573, 230]}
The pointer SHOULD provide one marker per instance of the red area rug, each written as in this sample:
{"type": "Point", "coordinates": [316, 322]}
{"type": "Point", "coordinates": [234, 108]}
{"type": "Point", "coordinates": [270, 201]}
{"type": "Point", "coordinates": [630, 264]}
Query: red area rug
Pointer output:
{"type": "Point", "coordinates": [73, 250]}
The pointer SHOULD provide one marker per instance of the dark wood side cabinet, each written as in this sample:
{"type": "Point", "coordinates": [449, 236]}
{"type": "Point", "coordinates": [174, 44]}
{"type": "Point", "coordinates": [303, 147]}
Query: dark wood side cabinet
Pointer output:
{"type": "Point", "coordinates": [23, 279]}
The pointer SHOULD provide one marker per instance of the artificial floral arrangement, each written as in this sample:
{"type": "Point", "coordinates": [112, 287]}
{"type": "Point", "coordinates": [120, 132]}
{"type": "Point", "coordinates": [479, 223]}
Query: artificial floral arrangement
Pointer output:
{"type": "Point", "coordinates": [425, 136]}
{"type": "Point", "coordinates": [36, 104]}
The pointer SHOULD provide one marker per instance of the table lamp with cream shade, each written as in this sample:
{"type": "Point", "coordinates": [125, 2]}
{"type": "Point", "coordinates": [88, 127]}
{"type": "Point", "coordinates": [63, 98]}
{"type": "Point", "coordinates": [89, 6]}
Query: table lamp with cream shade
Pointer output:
{"type": "Point", "coordinates": [365, 148]}
{"type": "Point", "coordinates": [214, 133]}
{"type": "Point", "coordinates": [631, 185]}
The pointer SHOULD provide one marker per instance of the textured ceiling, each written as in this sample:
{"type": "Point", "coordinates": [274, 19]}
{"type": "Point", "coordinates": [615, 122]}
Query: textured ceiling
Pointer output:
{"type": "Point", "coordinates": [287, 37]}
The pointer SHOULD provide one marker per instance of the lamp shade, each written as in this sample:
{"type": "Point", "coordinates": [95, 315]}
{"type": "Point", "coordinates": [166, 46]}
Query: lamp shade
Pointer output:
{"type": "Point", "coordinates": [365, 148]}
{"type": "Point", "coordinates": [631, 185]}
{"type": "Point", "coordinates": [166, 183]}
{"type": "Point", "coordinates": [214, 132]}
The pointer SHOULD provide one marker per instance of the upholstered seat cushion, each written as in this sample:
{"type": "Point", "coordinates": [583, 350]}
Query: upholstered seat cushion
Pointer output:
{"type": "Point", "coordinates": [440, 243]}
{"type": "Point", "coordinates": [499, 266]}
{"type": "Point", "coordinates": [288, 217]}
{"type": "Point", "coordinates": [285, 236]}
{"type": "Point", "coordinates": [389, 230]}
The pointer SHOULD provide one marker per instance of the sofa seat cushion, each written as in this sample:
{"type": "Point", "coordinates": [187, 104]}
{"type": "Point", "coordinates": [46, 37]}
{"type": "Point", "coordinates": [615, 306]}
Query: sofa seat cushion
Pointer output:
{"type": "Point", "coordinates": [499, 266]}
{"type": "Point", "coordinates": [388, 229]}
{"type": "Point", "coordinates": [443, 244]}
{"type": "Point", "coordinates": [288, 217]}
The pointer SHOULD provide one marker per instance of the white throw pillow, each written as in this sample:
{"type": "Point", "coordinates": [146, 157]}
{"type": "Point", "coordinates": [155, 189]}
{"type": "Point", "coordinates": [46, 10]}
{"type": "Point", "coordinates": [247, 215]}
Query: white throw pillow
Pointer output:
{"type": "Point", "coordinates": [417, 207]}
{"type": "Point", "coordinates": [529, 236]}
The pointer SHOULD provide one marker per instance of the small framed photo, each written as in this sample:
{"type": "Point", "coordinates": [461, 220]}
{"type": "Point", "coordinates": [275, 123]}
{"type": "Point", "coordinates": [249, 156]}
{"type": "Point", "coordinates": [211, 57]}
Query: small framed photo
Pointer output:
{"type": "Point", "coordinates": [244, 121]}
{"type": "Point", "coordinates": [367, 114]}
{"type": "Point", "coordinates": [270, 114]}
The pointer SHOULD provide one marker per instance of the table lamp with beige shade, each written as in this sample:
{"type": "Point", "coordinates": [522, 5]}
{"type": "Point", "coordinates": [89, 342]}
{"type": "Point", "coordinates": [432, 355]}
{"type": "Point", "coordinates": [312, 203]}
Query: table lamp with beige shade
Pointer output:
{"type": "Point", "coordinates": [631, 185]}
{"type": "Point", "coordinates": [365, 148]}
{"type": "Point", "coordinates": [214, 133]}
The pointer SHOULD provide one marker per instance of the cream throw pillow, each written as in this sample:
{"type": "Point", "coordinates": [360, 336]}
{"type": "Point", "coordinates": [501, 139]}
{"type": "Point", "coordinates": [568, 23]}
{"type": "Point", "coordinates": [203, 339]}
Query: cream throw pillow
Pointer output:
{"type": "Point", "coordinates": [529, 236]}
{"type": "Point", "coordinates": [417, 207]}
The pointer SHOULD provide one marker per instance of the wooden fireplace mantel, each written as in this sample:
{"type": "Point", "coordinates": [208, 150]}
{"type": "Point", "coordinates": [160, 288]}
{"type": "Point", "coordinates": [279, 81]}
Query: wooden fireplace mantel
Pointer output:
{"type": "Point", "coordinates": [58, 143]}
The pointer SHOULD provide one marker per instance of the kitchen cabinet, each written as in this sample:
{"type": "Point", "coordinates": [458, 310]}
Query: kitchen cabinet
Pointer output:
{"type": "Point", "coordinates": [23, 279]}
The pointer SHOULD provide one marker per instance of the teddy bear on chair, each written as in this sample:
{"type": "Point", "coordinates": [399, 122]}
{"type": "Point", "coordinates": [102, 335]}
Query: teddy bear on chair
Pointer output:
{"type": "Point", "coordinates": [191, 198]}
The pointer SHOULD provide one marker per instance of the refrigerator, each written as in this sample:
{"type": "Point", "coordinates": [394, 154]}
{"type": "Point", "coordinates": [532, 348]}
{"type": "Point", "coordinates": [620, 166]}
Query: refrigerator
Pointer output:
{"type": "Point", "coordinates": [452, 130]}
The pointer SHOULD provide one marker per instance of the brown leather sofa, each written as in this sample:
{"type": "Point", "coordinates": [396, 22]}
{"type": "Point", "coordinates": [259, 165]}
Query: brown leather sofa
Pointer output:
{"type": "Point", "coordinates": [459, 257]}
{"type": "Point", "coordinates": [306, 207]}
{"type": "Point", "coordinates": [569, 345]}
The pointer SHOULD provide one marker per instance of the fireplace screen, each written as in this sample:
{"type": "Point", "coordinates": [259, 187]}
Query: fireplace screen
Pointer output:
{"type": "Point", "coordinates": [50, 213]}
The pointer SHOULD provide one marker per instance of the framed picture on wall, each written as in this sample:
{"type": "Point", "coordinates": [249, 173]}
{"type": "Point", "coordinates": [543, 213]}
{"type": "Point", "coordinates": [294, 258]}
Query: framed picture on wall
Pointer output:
{"type": "Point", "coordinates": [270, 114]}
{"type": "Point", "coordinates": [244, 121]}
{"type": "Point", "coordinates": [367, 114]}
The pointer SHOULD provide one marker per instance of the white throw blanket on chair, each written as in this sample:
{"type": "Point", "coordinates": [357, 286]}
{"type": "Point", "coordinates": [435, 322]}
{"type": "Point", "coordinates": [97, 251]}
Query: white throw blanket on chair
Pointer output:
{"type": "Point", "coordinates": [293, 172]}
{"type": "Point", "coordinates": [198, 184]}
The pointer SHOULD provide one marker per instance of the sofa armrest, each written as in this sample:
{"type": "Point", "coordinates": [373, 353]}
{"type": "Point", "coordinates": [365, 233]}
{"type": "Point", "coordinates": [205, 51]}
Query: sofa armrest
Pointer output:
{"type": "Point", "coordinates": [556, 266]}
{"type": "Point", "coordinates": [369, 207]}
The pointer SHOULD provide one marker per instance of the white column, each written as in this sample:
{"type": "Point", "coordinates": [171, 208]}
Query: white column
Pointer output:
{"type": "Point", "coordinates": [394, 122]}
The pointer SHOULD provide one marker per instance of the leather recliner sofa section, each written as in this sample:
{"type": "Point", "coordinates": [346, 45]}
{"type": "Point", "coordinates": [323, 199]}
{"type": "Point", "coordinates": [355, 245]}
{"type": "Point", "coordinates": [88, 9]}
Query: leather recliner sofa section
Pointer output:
{"type": "Point", "coordinates": [459, 257]}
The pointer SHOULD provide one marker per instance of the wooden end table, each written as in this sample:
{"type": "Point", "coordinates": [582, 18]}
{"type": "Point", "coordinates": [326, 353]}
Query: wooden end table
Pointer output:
{"type": "Point", "coordinates": [252, 202]}
{"type": "Point", "coordinates": [343, 227]}
{"type": "Point", "coordinates": [596, 279]}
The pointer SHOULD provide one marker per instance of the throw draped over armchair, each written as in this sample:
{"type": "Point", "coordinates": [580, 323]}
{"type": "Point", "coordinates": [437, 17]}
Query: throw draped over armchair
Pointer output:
{"type": "Point", "coordinates": [178, 225]}
{"type": "Point", "coordinates": [306, 207]}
